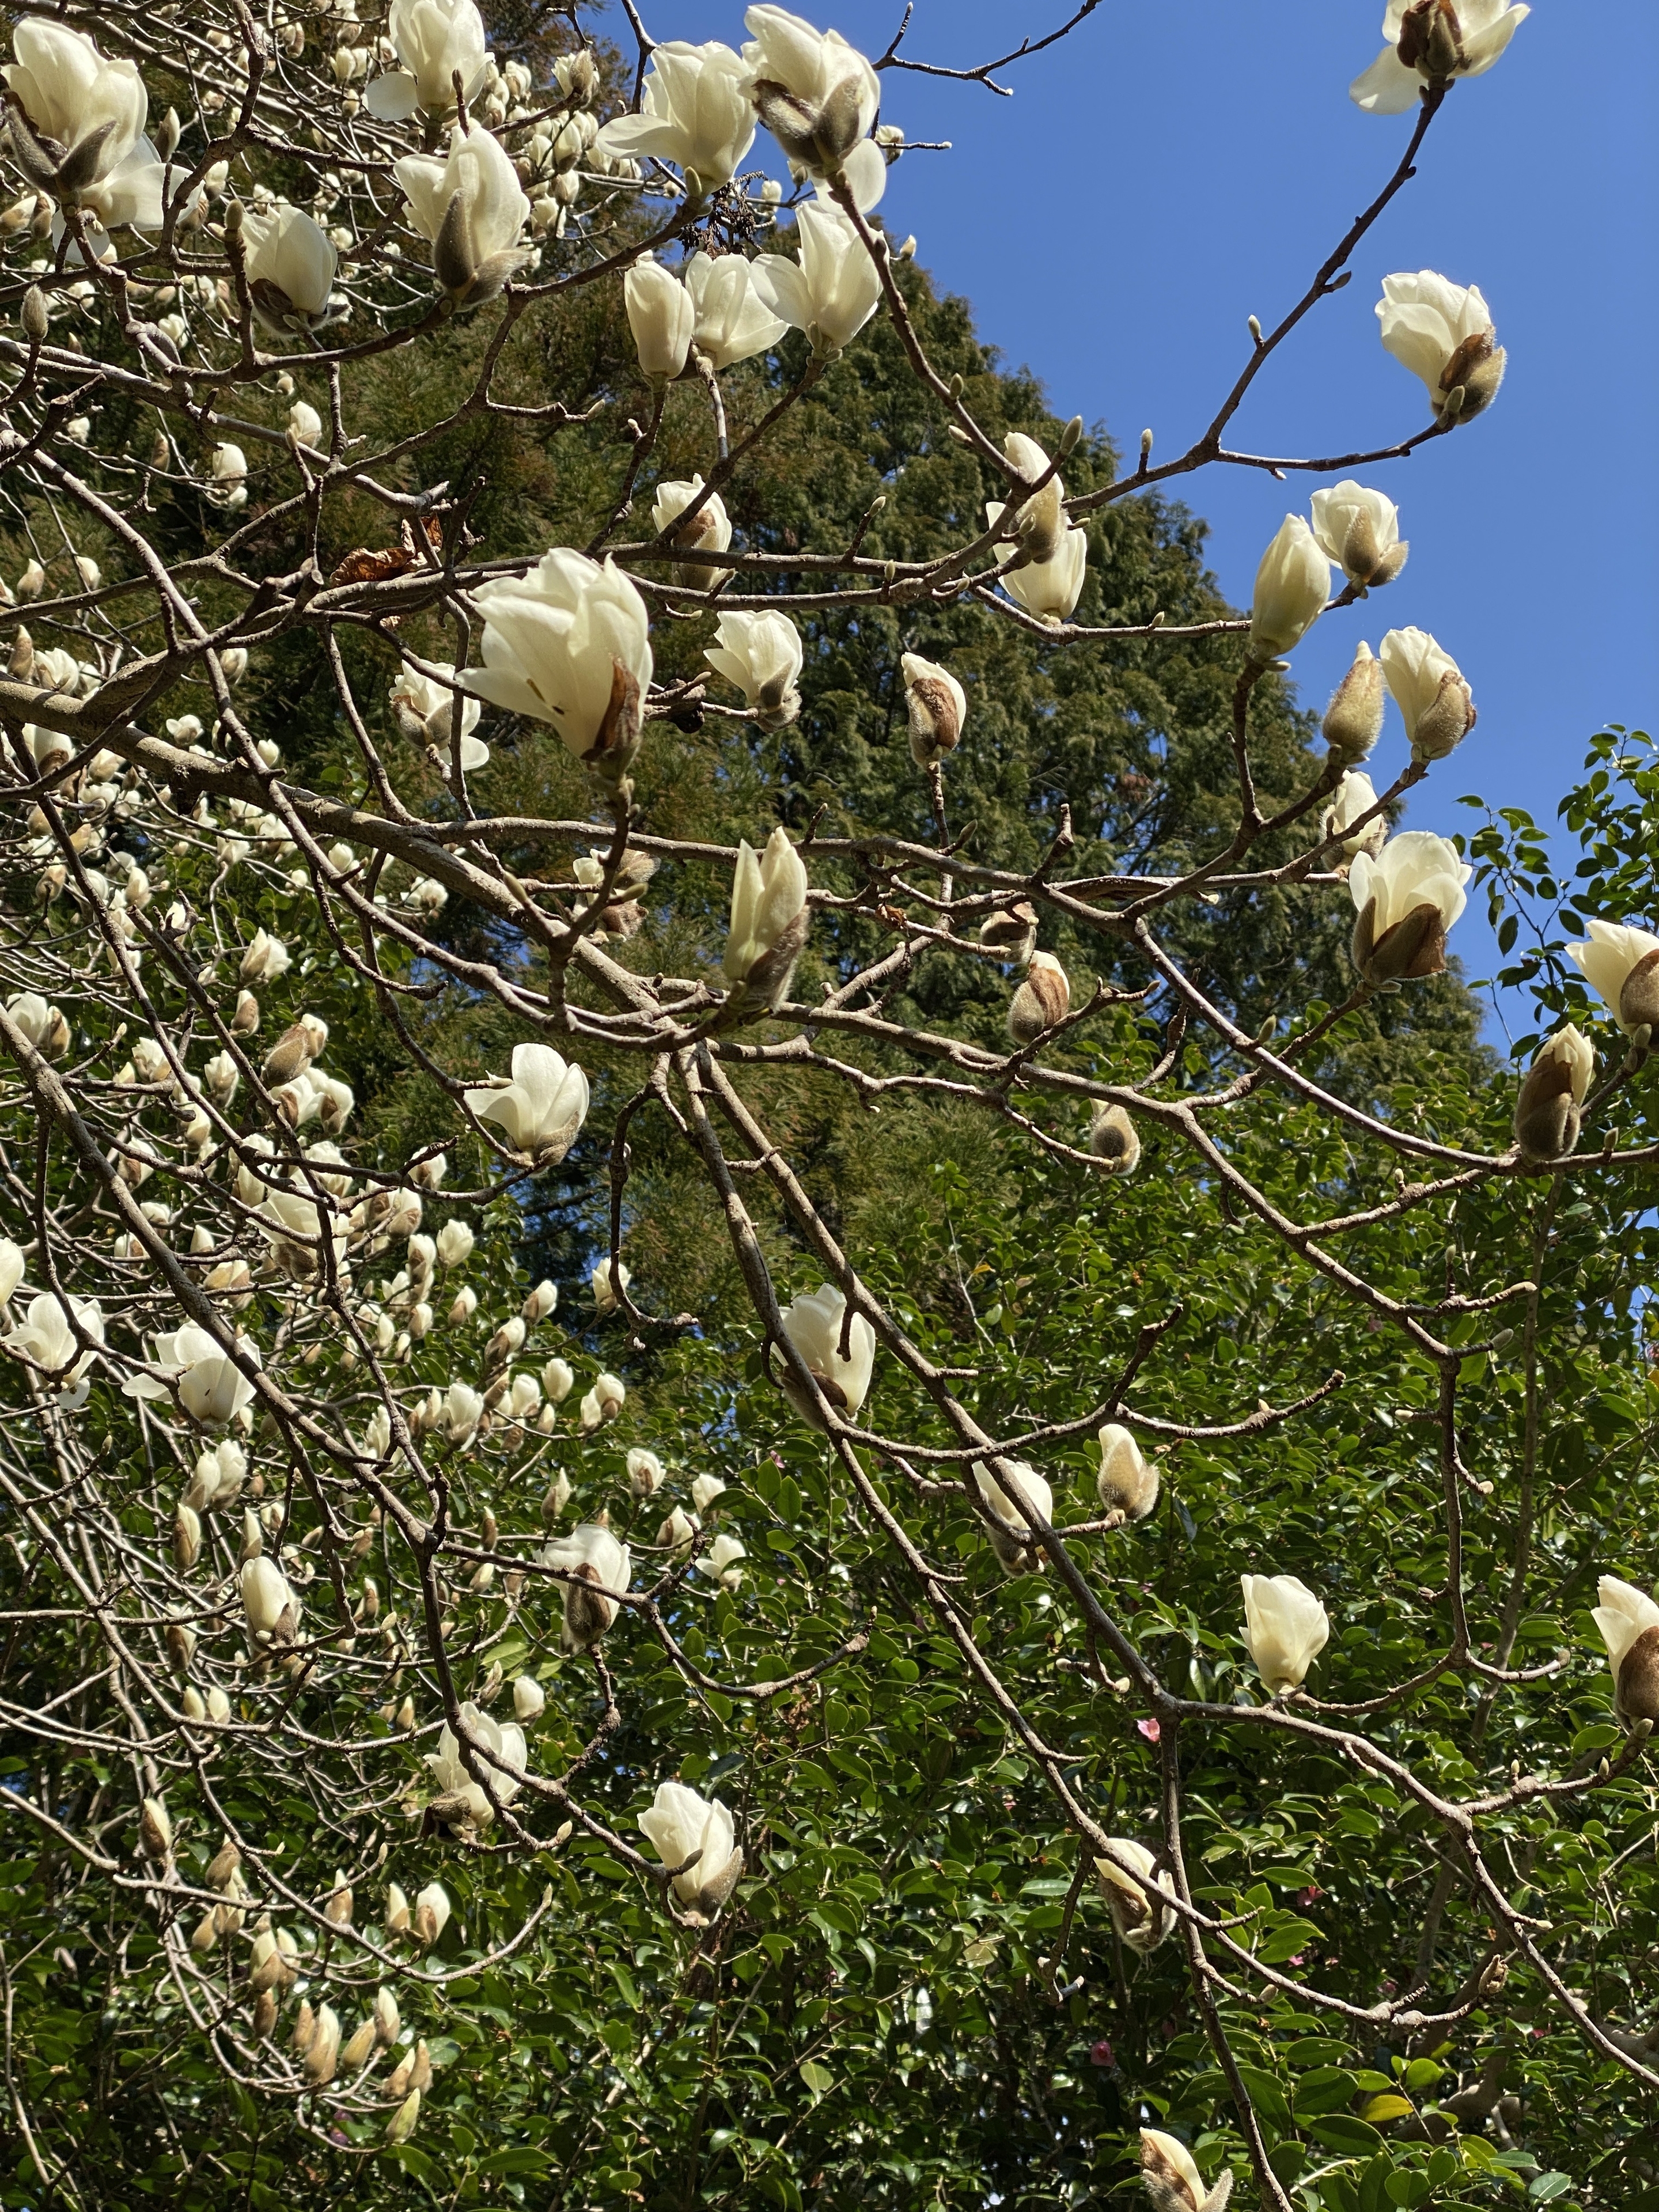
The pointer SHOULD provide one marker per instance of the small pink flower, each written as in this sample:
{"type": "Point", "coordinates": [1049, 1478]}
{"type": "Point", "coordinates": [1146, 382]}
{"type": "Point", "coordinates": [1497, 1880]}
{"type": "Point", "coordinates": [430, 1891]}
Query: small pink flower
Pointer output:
{"type": "Point", "coordinates": [1102, 2054]}
{"type": "Point", "coordinates": [1151, 1730]}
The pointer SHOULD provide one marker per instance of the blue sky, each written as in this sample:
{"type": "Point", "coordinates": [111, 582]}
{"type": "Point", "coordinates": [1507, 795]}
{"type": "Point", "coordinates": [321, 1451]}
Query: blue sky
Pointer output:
{"type": "Point", "coordinates": [1167, 171]}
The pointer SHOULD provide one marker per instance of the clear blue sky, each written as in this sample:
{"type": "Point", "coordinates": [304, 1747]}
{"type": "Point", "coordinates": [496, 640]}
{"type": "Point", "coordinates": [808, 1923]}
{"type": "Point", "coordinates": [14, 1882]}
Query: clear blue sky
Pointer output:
{"type": "Point", "coordinates": [1167, 171]}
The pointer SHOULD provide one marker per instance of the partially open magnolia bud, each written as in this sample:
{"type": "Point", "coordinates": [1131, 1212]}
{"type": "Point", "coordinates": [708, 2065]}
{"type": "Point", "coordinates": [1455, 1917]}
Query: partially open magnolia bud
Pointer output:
{"type": "Point", "coordinates": [1127, 1482]}
{"type": "Point", "coordinates": [1354, 720]}
{"type": "Point", "coordinates": [1043, 999]}
{"type": "Point", "coordinates": [264, 2015]}
{"type": "Point", "coordinates": [1476, 370]}
{"type": "Point", "coordinates": [1172, 2179]}
{"type": "Point", "coordinates": [1135, 1900]}
{"type": "Point", "coordinates": [1546, 1112]}
{"type": "Point", "coordinates": [154, 1829]}
{"type": "Point", "coordinates": [1114, 1141]}
{"type": "Point", "coordinates": [938, 708]}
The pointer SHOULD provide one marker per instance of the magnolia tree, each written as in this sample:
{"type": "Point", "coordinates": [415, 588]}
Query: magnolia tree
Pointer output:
{"type": "Point", "coordinates": [345, 1594]}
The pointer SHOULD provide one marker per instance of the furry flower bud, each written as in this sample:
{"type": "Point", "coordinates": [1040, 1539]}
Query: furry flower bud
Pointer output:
{"type": "Point", "coordinates": [1546, 1112]}
{"type": "Point", "coordinates": [1043, 999]}
{"type": "Point", "coordinates": [1354, 720]}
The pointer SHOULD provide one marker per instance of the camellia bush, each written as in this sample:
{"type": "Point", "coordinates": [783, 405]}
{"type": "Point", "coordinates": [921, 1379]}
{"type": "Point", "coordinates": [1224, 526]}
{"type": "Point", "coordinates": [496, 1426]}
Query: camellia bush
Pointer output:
{"type": "Point", "coordinates": [737, 1469]}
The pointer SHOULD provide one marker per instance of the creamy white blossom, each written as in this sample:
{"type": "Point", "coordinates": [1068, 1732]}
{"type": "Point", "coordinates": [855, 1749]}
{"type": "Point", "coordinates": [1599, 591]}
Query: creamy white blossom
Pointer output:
{"type": "Point", "coordinates": [1048, 589]}
{"type": "Point", "coordinates": [1629, 1621]}
{"type": "Point", "coordinates": [814, 1324]}
{"type": "Point", "coordinates": [694, 1835]}
{"type": "Point", "coordinates": [708, 530]}
{"type": "Point", "coordinates": [272, 1609]}
{"type": "Point", "coordinates": [1358, 530]}
{"type": "Point", "coordinates": [291, 261]}
{"type": "Point", "coordinates": [570, 644]}
{"type": "Point", "coordinates": [504, 1743]}
{"type": "Point", "coordinates": [600, 1569]}
{"type": "Point", "coordinates": [211, 1387]}
{"type": "Point", "coordinates": [436, 39]}
{"type": "Point", "coordinates": [1292, 585]}
{"type": "Point", "coordinates": [1431, 42]}
{"type": "Point", "coordinates": [425, 709]}
{"type": "Point", "coordinates": [470, 209]}
{"type": "Point", "coordinates": [74, 116]}
{"type": "Point", "coordinates": [1407, 897]}
{"type": "Point", "coordinates": [816, 94]}
{"type": "Point", "coordinates": [1285, 1629]}
{"type": "Point", "coordinates": [1354, 797]}
{"type": "Point", "coordinates": [46, 1335]}
{"type": "Point", "coordinates": [1429, 688]}
{"type": "Point", "coordinates": [770, 918]}
{"type": "Point", "coordinates": [695, 111]}
{"type": "Point", "coordinates": [834, 287]}
{"type": "Point", "coordinates": [762, 655]}
{"type": "Point", "coordinates": [1010, 1532]}
{"type": "Point", "coordinates": [733, 320]}
{"type": "Point", "coordinates": [1126, 1481]}
{"type": "Point", "coordinates": [1134, 1894]}
{"type": "Point", "coordinates": [1621, 963]}
{"type": "Point", "coordinates": [1443, 333]}
{"type": "Point", "coordinates": [1172, 2179]}
{"type": "Point", "coordinates": [542, 1108]}
{"type": "Point", "coordinates": [719, 1562]}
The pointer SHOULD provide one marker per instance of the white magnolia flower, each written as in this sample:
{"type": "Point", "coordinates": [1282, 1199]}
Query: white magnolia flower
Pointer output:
{"type": "Point", "coordinates": [834, 287]}
{"type": "Point", "coordinates": [1622, 964]}
{"type": "Point", "coordinates": [705, 1489]}
{"type": "Point", "coordinates": [644, 1473]}
{"type": "Point", "coordinates": [1629, 1621]}
{"type": "Point", "coordinates": [11, 1269]}
{"type": "Point", "coordinates": [695, 111]}
{"type": "Point", "coordinates": [45, 1336]}
{"type": "Point", "coordinates": [454, 1245]}
{"type": "Point", "coordinates": [1135, 1898]}
{"type": "Point", "coordinates": [708, 531]}
{"type": "Point", "coordinates": [73, 117]}
{"type": "Point", "coordinates": [435, 40]}
{"type": "Point", "coordinates": [461, 1795]}
{"type": "Point", "coordinates": [529, 1698]}
{"type": "Point", "coordinates": [291, 263]}
{"type": "Point", "coordinates": [816, 94]}
{"type": "Point", "coordinates": [719, 1562]}
{"type": "Point", "coordinates": [1407, 899]}
{"type": "Point", "coordinates": [1291, 587]}
{"type": "Point", "coordinates": [1444, 334]}
{"type": "Point", "coordinates": [305, 422]}
{"type": "Point", "coordinates": [1431, 42]}
{"type": "Point", "coordinates": [694, 1835]}
{"type": "Point", "coordinates": [470, 209]}
{"type": "Point", "coordinates": [1173, 2181]}
{"type": "Point", "coordinates": [733, 321]}
{"type": "Point", "coordinates": [1548, 1107]}
{"type": "Point", "coordinates": [1009, 1533]}
{"type": "Point", "coordinates": [272, 1609]}
{"type": "Point", "coordinates": [679, 1532]}
{"type": "Point", "coordinates": [1039, 522]}
{"type": "Point", "coordinates": [1358, 530]}
{"type": "Point", "coordinates": [212, 1389]}
{"type": "Point", "coordinates": [938, 707]}
{"type": "Point", "coordinates": [762, 655]}
{"type": "Point", "coordinates": [598, 1563]}
{"type": "Point", "coordinates": [425, 709]}
{"type": "Point", "coordinates": [605, 1287]}
{"type": "Point", "coordinates": [1126, 1481]}
{"type": "Point", "coordinates": [1048, 589]}
{"type": "Point", "coordinates": [1285, 1629]}
{"type": "Point", "coordinates": [461, 1411]}
{"type": "Point", "coordinates": [662, 317]}
{"type": "Point", "coordinates": [542, 1108]}
{"type": "Point", "coordinates": [814, 1324]}
{"type": "Point", "coordinates": [1355, 796]}
{"type": "Point", "coordinates": [1430, 691]}
{"type": "Point", "coordinates": [558, 1380]}
{"type": "Point", "coordinates": [769, 919]}
{"type": "Point", "coordinates": [569, 645]}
